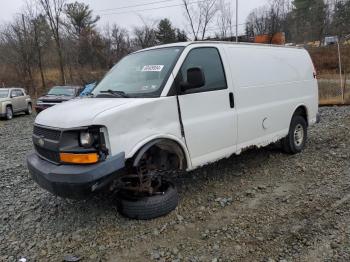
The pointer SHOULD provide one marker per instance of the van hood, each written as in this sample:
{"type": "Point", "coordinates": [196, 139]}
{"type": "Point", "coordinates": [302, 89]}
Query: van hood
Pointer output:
{"type": "Point", "coordinates": [78, 112]}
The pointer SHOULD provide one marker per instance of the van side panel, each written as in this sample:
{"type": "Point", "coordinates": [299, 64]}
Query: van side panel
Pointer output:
{"type": "Point", "coordinates": [270, 83]}
{"type": "Point", "coordinates": [143, 121]}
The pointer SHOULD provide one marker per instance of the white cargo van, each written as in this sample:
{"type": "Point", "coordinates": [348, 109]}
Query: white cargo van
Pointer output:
{"type": "Point", "coordinates": [173, 107]}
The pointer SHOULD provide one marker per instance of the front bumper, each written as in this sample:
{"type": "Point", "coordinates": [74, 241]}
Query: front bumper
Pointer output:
{"type": "Point", "coordinates": [74, 181]}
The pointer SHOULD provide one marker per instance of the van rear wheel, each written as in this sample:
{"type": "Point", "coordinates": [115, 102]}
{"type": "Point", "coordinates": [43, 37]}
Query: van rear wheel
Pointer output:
{"type": "Point", "coordinates": [295, 141]}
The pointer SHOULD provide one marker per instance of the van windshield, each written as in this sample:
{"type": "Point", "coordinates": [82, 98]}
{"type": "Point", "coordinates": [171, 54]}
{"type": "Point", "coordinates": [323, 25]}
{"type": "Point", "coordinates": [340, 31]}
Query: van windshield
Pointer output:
{"type": "Point", "coordinates": [141, 74]}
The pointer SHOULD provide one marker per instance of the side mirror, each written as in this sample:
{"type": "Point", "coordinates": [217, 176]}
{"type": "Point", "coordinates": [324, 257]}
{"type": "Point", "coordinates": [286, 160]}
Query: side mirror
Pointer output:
{"type": "Point", "coordinates": [195, 79]}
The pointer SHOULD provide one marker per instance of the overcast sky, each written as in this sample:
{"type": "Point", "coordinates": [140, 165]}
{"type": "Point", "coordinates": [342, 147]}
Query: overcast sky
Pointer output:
{"type": "Point", "coordinates": [130, 16]}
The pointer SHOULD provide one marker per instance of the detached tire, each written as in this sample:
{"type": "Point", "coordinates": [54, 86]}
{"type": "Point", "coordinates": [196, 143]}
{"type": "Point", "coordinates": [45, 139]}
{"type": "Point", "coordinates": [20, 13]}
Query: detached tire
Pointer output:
{"type": "Point", "coordinates": [148, 207]}
{"type": "Point", "coordinates": [295, 141]}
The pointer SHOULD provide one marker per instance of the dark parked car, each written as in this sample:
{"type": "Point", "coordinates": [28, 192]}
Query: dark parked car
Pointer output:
{"type": "Point", "coordinates": [56, 95]}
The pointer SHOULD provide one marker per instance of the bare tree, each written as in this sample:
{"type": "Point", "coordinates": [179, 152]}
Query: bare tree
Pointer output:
{"type": "Point", "coordinates": [225, 19]}
{"type": "Point", "coordinates": [54, 10]}
{"type": "Point", "coordinates": [26, 44]}
{"type": "Point", "coordinates": [200, 17]}
{"type": "Point", "coordinates": [107, 34]}
{"type": "Point", "coordinates": [40, 40]}
{"type": "Point", "coordinates": [269, 19]}
{"type": "Point", "coordinates": [208, 10]}
{"type": "Point", "coordinates": [120, 42]}
{"type": "Point", "coordinates": [18, 48]}
{"type": "Point", "coordinates": [192, 16]}
{"type": "Point", "coordinates": [278, 12]}
{"type": "Point", "coordinates": [145, 36]}
{"type": "Point", "coordinates": [258, 21]}
{"type": "Point", "coordinates": [41, 36]}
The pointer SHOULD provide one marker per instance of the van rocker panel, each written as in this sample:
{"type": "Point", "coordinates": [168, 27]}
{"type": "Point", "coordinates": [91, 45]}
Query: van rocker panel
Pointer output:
{"type": "Point", "coordinates": [74, 181]}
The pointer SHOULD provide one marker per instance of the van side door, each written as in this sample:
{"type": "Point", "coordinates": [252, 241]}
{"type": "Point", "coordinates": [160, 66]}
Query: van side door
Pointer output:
{"type": "Point", "coordinates": [208, 112]}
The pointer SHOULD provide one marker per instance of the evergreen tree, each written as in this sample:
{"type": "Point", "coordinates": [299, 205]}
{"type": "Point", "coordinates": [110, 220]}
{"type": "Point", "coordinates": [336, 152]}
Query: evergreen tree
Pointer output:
{"type": "Point", "coordinates": [80, 17]}
{"type": "Point", "coordinates": [82, 22]}
{"type": "Point", "coordinates": [165, 33]}
{"type": "Point", "coordinates": [341, 20]}
{"type": "Point", "coordinates": [310, 19]}
{"type": "Point", "coordinates": [181, 35]}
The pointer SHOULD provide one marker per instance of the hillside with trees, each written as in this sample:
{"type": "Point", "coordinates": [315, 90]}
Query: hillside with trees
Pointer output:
{"type": "Point", "coordinates": [301, 20]}
{"type": "Point", "coordinates": [56, 42]}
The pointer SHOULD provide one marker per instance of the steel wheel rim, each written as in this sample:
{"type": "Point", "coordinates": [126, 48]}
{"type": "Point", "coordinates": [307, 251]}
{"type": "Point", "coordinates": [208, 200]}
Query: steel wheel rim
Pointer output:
{"type": "Point", "coordinates": [29, 109]}
{"type": "Point", "coordinates": [9, 113]}
{"type": "Point", "coordinates": [299, 135]}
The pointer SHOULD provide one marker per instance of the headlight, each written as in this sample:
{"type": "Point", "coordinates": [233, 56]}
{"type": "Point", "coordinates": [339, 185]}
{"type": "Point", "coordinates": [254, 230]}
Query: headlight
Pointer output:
{"type": "Point", "coordinates": [86, 139]}
{"type": "Point", "coordinates": [83, 146]}
{"type": "Point", "coordinates": [39, 102]}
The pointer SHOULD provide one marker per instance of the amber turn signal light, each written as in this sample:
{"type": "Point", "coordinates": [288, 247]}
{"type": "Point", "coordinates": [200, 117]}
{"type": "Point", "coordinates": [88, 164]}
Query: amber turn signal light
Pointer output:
{"type": "Point", "coordinates": [89, 158]}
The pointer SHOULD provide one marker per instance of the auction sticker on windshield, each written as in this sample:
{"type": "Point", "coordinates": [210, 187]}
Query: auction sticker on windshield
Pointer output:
{"type": "Point", "coordinates": [152, 68]}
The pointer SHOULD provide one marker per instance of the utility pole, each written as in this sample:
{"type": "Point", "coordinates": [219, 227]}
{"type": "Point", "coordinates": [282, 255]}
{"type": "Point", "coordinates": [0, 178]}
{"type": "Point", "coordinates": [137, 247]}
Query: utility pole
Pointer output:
{"type": "Point", "coordinates": [236, 21]}
{"type": "Point", "coordinates": [340, 72]}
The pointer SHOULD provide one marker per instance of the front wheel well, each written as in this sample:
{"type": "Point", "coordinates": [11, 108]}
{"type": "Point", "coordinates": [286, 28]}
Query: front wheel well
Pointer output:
{"type": "Point", "coordinates": [164, 154]}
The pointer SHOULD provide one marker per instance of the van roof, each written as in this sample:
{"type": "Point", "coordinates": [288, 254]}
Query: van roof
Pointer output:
{"type": "Point", "coordinates": [184, 44]}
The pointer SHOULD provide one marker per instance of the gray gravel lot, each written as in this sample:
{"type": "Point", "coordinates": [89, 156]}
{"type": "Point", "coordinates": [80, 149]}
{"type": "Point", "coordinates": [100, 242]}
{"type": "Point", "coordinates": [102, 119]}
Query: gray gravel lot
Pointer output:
{"type": "Point", "coordinates": [260, 206]}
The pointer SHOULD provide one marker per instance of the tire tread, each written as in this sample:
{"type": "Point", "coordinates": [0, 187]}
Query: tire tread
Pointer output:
{"type": "Point", "coordinates": [149, 207]}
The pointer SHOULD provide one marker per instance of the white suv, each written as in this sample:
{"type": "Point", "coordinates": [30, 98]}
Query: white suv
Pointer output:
{"type": "Point", "coordinates": [173, 107]}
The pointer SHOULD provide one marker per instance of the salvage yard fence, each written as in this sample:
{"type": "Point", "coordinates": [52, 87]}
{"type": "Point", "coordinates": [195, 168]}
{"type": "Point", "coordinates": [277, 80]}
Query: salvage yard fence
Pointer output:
{"type": "Point", "coordinates": [333, 90]}
{"type": "Point", "coordinates": [333, 69]}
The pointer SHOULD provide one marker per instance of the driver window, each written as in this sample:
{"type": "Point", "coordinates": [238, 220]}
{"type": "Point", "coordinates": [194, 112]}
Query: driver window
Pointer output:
{"type": "Point", "coordinates": [208, 59]}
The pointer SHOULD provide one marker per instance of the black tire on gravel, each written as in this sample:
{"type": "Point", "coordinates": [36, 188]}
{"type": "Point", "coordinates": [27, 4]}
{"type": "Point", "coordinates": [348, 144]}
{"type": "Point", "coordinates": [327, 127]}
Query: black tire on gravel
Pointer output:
{"type": "Point", "coordinates": [148, 207]}
{"type": "Point", "coordinates": [290, 144]}
{"type": "Point", "coordinates": [9, 113]}
{"type": "Point", "coordinates": [29, 109]}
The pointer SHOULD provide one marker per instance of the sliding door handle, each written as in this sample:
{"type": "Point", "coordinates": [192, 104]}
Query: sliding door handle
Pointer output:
{"type": "Point", "coordinates": [232, 100]}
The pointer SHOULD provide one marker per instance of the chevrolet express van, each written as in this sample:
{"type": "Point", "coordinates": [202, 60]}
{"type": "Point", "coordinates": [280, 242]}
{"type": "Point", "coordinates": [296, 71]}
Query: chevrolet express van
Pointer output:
{"type": "Point", "coordinates": [169, 108]}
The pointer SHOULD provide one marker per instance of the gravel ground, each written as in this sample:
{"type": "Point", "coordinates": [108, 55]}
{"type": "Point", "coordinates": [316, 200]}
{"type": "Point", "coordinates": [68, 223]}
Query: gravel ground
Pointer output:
{"type": "Point", "coordinates": [260, 206]}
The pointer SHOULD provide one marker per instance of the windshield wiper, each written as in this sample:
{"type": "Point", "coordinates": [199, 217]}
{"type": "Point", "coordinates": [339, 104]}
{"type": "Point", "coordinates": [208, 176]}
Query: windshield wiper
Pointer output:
{"type": "Point", "coordinates": [115, 93]}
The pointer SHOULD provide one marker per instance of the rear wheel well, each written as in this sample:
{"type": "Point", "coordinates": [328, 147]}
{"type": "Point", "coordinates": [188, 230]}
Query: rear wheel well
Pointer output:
{"type": "Point", "coordinates": [164, 154]}
{"type": "Point", "coordinates": [301, 111]}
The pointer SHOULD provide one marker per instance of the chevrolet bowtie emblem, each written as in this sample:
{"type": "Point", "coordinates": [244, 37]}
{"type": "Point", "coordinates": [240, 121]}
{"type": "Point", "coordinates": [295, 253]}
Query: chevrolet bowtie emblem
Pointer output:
{"type": "Point", "coordinates": [41, 142]}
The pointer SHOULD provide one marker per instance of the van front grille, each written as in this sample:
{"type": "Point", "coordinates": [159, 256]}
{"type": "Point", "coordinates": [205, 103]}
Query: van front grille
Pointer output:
{"type": "Point", "coordinates": [52, 156]}
{"type": "Point", "coordinates": [47, 133]}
